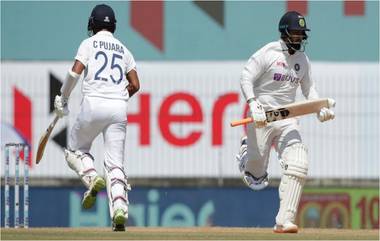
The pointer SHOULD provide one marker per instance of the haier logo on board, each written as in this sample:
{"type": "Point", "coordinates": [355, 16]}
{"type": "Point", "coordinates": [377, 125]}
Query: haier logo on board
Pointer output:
{"type": "Point", "coordinates": [154, 211]}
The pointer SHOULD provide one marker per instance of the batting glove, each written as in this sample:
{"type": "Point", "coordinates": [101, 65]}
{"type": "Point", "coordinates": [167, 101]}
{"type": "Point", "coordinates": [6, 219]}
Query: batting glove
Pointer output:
{"type": "Point", "coordinates": [257, 114]}
{"type": "Point", "coordinates": [60, 105]}
{"type": "Point", "coordinates": [325, 114]}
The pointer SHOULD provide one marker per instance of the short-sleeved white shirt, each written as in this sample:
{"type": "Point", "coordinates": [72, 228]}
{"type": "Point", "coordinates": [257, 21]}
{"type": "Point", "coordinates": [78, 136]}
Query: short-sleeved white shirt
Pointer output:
{"type": "Point", "coordinates": [107, 62]}
{"type": "Point", "coordinates": [272, 75]}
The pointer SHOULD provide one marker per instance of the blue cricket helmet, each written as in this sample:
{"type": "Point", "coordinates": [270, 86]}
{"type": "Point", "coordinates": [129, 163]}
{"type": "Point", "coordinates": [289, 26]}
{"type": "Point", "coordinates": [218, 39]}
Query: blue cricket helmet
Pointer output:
{"type": "Point", "coordinates": [102, 16]}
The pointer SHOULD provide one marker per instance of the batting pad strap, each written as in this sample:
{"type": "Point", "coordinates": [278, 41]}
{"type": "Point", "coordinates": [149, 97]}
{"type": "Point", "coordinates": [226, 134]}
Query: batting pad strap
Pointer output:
{"type": "Point", "coordinates": [119, 197]}
{"type": "Point", "coordinates": [111, 169]}
{"type": "Point", "coordinates": [69, 84]}
{"type": "Point", "coordinates": [297, 171]}
{"type": "Point", "coordinates": [87, 155]}
{"type": "Point", "coordinates": [85, 172]}
{"type": "Point", "coordinates": [118, 181]}
{"type": "Point", "coordinates": [295, 160]}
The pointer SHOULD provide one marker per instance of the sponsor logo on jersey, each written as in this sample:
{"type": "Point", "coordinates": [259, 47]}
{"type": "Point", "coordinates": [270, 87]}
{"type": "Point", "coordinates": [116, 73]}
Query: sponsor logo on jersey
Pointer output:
{"type": "Point", "coordinates": [285, 77]}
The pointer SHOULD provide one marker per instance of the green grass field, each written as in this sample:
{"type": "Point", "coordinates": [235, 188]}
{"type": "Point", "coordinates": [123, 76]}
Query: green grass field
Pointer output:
{"type": "Point", "coordinates": [214, 233]}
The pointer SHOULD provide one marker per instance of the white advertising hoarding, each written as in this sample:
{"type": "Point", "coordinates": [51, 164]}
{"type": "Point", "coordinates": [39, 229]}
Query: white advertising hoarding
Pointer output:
{"type": "Point", "coordinates": [179, 121]}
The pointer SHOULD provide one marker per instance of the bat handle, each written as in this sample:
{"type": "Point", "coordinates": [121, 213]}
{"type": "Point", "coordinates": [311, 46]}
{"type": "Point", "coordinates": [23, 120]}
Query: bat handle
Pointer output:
{"type": "Point", "coordinates": [56, 119]}
{"type": "Point", "coordinates": [51, 126]}
{"type": "Point", "coordinates": [241, 122]}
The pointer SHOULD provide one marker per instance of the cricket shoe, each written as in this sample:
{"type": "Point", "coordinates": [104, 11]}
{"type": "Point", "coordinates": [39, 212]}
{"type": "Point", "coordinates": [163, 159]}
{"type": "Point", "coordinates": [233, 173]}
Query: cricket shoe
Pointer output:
{"type": "Point", "coordinates": [288, 227]}
{"type": "Point", "coordinates": [89, 197]}
{"type": "Point", "coordinates": [118, 220]}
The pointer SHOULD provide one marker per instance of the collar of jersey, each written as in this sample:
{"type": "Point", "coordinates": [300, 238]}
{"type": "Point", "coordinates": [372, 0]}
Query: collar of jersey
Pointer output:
{"type": "Point", "coordinates": [284, 48]}
{"type": "Point", "coordinates": [104, 32]}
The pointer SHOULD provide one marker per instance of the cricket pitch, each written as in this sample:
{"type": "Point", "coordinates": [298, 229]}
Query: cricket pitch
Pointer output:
{"type": "Point", "coordinates": [206, 233]}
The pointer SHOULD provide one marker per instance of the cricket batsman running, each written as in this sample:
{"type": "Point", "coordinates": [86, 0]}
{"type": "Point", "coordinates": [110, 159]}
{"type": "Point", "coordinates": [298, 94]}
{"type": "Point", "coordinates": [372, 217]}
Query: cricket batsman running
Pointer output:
{"type": "Point", "coordinates": [110, 79]}
{"type": "Point", "coordinates": [270, 80]}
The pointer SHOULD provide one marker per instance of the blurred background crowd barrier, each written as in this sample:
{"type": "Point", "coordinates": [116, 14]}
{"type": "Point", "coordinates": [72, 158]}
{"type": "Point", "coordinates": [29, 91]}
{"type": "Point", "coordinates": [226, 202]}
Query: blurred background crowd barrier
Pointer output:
{"type": "Point", "coordinates": [180, 150]}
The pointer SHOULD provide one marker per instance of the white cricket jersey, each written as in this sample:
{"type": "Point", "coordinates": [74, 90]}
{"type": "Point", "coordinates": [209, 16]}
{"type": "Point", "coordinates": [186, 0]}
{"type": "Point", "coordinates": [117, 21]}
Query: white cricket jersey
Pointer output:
{"type": "Point", "coordinates": [107, 62]}
{"type": "Point", "coordinates": [272, 75]}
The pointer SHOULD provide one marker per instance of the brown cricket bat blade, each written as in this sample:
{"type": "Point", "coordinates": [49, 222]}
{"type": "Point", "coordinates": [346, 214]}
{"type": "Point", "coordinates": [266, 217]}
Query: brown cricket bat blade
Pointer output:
{"type": "Point", "coordinates": [291, 110]}
{"type": "Point", "coordinates": [44, 139]}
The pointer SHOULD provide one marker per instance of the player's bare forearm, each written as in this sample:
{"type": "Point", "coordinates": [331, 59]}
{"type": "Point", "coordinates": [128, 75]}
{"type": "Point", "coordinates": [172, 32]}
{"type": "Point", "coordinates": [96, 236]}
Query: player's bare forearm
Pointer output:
{"type": "Point", "coordinates": [78, 67]}
{"type": "Point", "coordinates": [134, 82]}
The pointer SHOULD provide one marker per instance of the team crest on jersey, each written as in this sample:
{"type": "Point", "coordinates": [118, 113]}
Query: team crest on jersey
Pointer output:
{"type": "Point", "coordinates": [297, 67]}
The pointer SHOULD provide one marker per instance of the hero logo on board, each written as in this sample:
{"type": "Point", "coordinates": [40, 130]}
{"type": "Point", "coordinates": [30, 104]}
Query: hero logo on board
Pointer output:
{"type": "Point", "coordinates": [196, 115]}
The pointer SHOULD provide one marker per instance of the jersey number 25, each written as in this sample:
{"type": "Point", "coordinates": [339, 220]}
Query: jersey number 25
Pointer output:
{"type": "Point", "coordinates": [113, 66]}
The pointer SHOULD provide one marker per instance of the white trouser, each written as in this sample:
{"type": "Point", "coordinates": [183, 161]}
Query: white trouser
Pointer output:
{"type": "Point", "coordinates": [101, 115]}
{"type": "Point", "coordinates": [280, 134]}
{"type": "Point", "coordinates": [109, 117]}
{"type": "Point", "coordinates": [285, 137]}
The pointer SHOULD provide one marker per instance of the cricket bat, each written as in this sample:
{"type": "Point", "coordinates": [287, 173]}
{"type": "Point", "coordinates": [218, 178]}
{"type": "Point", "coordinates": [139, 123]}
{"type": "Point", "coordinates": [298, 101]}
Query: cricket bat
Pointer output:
{"type": "Point", "coordinates": [291, 110]}
{"type": "Point", "coordinates": [44, 139]}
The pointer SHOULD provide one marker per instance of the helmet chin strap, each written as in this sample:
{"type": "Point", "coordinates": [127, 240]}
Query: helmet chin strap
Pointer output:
{"type": "Point", "coordinates": [295, 46]}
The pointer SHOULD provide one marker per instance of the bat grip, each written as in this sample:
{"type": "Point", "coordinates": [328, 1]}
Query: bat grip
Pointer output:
{"type": "Point", "coordinates": [56, 119]}
{"type": "Point", "coordinates": [241, 122]}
